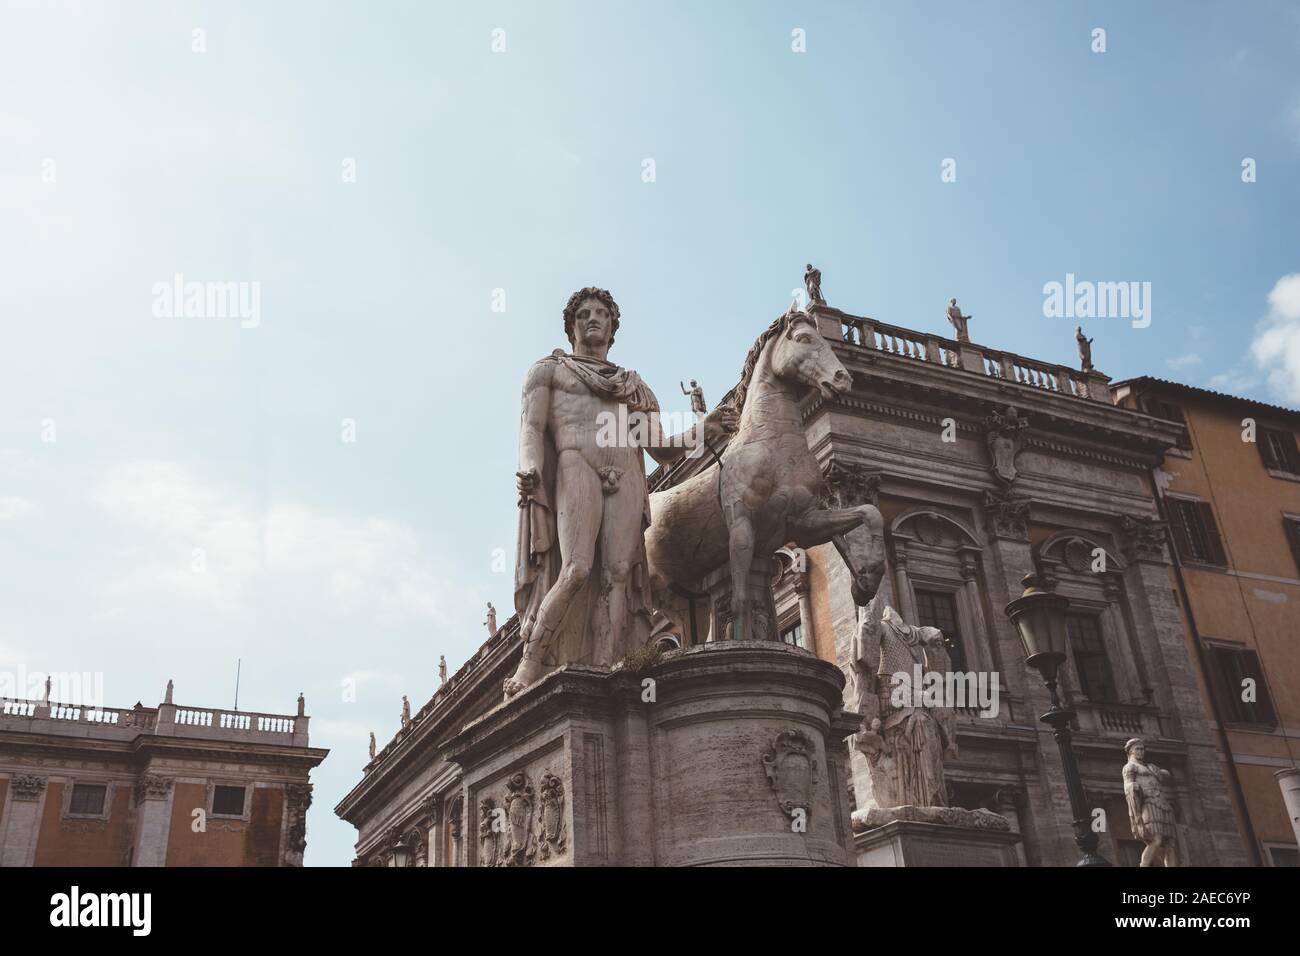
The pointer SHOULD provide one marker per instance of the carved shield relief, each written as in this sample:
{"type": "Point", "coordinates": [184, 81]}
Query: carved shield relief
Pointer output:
{"type": "Point", "coordinates": [792, 770]}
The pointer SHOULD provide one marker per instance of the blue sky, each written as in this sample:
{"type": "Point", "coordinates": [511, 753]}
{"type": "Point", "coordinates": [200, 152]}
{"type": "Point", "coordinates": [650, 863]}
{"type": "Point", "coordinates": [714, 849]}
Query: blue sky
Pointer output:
{"type": "Point", "coordinates": [325, 560]}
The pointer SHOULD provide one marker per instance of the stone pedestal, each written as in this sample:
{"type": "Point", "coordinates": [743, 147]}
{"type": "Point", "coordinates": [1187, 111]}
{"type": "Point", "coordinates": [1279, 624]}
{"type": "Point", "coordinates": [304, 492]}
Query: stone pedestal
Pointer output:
{"type": "Point", "coordinates": [730, 753]}
{"type": "Point", "coordinates": [934, 836]}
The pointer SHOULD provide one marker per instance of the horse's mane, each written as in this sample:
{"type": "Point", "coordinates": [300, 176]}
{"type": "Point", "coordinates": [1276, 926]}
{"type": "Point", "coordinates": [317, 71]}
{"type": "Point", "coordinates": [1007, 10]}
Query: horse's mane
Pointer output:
{"type": "Point", "coordinates": [782, 323]}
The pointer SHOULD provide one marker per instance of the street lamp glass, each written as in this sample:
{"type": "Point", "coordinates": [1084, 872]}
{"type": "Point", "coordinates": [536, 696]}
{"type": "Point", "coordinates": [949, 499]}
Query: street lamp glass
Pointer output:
{"type": "Point", "coordinates": [1039, 618]}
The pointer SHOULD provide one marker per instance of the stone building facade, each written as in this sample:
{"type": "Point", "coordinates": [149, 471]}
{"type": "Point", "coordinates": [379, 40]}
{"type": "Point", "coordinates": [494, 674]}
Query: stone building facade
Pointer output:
{"type": "Point", "coordinates": [1230, 493]}
{"type": "Point", "coordinates": [152, 786]}
{"type": "Point", "coordinates": [987, 466]}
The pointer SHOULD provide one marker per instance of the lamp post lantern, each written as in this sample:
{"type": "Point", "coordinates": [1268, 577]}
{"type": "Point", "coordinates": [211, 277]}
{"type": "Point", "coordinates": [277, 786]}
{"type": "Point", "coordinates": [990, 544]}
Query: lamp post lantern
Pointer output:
{"type": "Point", "coordinates": [1039, 618]}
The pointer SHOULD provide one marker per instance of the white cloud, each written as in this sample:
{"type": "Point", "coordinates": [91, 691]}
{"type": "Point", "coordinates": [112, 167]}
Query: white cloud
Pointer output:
{"type": "Point", "coordinates": [1184, 361]}
{"type": "Point", "coordinates": [199, 542]}
{"type": "Point", "coordinates": [1276, 345]}
{"type": "Point", "coordinates": [12, 507]}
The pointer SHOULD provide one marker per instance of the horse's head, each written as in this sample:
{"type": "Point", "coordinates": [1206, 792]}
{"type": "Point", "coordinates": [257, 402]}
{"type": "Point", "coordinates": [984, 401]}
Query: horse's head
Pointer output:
{"type": "Point", "coordinates": [801, 354]}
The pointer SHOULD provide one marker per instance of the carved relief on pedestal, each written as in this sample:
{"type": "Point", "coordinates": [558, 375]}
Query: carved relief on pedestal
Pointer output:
{"type": "Point", "coordinates": [27, 786]}
{"type": "Point", "coordinates": [152, 787]}
{"type": "Point", "coordinates": [1142, 538]}
{"type": "Point", "coordinates": [455, 816]}
{"type": "Point", "coordinates": [518, 804]}
{"type": "Point", "coordinates": [792, 770]}
{"type": "Point", "coordinates": [1008, 515]}
{"type": "Point", "coordinates": [1004, 440]}
{"type": "Point", "coordinates": [489, 832]}
{"type": "Point", "coordinates": [551, 831]}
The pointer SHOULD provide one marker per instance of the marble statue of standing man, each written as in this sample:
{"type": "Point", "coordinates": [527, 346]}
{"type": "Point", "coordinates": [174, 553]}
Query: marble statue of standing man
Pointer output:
{"type": "Point", "coordinates": [1085, 348]}
{"type": "Point", "coordinates": [491, 620]}
{"type": "Point", "coordinates": [372, 745]}
{"type": "Point", "coordinates": [582, 587]}
{"type": "Point", "coordinates": [958, 321]}
{"type": "Point", "coordinates": [406, 712]}
{"type": "Point", "coordinates": [442, 669]}
{"type": "Point", "coordinates": [812, 281]}
{"type": "Point", "coordinates": [697, 398]}
{"type": "Point", "coordinates": [1150, 811]}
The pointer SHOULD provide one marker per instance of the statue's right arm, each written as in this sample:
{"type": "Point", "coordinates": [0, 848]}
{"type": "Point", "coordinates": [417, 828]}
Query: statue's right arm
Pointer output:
{"type": "Point", "coordinates": [536, 408]}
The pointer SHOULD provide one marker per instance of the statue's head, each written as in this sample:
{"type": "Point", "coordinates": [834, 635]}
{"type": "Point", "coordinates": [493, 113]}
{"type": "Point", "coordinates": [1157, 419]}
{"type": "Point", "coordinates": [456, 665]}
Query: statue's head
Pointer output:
{"type": "Point", "coordinates": [692, 383]}
{"type": "Point", "coordinates": [1136, 748]}
{"type": "Point", "coordinates": [952, 301]}
{"type": "Point", "coordinates": [591, 317]}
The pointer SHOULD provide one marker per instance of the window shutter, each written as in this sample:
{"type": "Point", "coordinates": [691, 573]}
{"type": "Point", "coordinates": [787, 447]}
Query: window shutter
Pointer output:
{"type": "Point", "coordinates": [1264, 441]}
{"type": "Point", "coordinates": [1178, 525]}
{"type": "Point", "coordinates": [1261, 712]}
{"type": "Point", "coordinates": [1292, 528]}
{"type": "Point", "coordinates": [1290, 456]}
{"type": "Point", "coordinates": [1213, 542]}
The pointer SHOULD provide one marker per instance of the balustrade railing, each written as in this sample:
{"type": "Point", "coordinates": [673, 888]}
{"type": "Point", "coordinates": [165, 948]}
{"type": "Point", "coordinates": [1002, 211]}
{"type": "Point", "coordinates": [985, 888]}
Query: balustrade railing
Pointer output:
{"type": "Point", "coordinates": [937, 350]}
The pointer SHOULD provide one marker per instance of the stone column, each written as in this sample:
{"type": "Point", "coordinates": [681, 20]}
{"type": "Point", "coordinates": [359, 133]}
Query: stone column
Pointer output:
{"type": "Point", "coordinates": [800, 585]}
{"type": "Point", "coordinates": [153, 802]}
{"type": "Point", "coordinates": [22, 820]}
{"type": "Point", "coordinates": [980, 656]}
{"type": "Point", "coordinates": [297, 799]}
{"type": "Point", "coordinates": [906, 601]}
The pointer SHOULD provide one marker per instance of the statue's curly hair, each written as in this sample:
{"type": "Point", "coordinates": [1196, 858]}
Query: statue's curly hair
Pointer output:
{"type": "Point", "coordinates": [575, 300]}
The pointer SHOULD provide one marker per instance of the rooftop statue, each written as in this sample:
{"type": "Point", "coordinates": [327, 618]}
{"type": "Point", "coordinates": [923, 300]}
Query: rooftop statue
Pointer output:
{"type": "Point", "coordinates": [697, 397]}
{"type": "Point", "coordinates": [1085, 348]}
{"type": "Point", "coordinates": [581, 578]}
{"type": "Point", "coordinates": [812, 281]}
{"type": "Point", "coordinates": [958, 321]}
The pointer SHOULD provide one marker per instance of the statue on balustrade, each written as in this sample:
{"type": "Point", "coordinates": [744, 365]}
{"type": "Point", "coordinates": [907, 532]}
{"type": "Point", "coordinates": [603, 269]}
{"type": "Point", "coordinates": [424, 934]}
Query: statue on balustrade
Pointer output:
{"type": "Point", "coordinates": [1150, 809]}
{"type": "Point", "coordinates": [812, 281]}
{"type": "Point", "coordinates": [1085, 348]}
{"type": "Point", "coordinates": [697, 398]}
{"type": "Point", "coordinates": [491, 621]}
{"type": "Point", "coordinates": [372, 745]}
{"type": "Point", "coordinates": [905, 734]}
{"type": "Point", "coordinates": [958, 321]}
{"type": "Point", "coordinates": [406, 712]}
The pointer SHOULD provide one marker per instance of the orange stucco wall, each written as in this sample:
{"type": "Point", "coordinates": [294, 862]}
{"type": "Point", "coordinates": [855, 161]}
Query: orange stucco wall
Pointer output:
{"type": "Point", "coordinates": [80, 842]}
{"type": "Point", "coordinates": [226, 842]}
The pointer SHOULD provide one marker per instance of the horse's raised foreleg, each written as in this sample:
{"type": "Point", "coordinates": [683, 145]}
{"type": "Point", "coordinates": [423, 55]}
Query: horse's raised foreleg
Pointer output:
{"type": "Point", "coordinates": [858, 535]}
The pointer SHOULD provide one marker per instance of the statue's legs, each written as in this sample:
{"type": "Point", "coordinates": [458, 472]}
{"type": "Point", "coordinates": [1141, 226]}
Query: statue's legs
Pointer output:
{"type": "Point", "coordinates": [577, 519]}
{"type": "Point", "coordinates": [622, 551]}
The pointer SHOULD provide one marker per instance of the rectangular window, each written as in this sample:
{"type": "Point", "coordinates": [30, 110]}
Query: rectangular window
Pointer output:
{"type": "Point", "coordinates": [1283, 856]}
{"type": "Point", "coordinates": [1291, 527]}
{"type": "Point", "coordinates": [1278, 450]}
{"type": "Point", "coordinates": [1095, 678]}
{"type": "Point", "coordinates": [228, 801]}
{"type": "Point", "coordinates": [88, 798]}
{"type": "Point", "coordinates": [939, 609]}
{"type": "Point", "coordinates": [1237, 681]}
{"type": "Point", "coordinates": [793, 635]}
{"type": "Point", "coordinates": [1170, 412]}
{"type": "Point", "coordinates": [1195, 532]}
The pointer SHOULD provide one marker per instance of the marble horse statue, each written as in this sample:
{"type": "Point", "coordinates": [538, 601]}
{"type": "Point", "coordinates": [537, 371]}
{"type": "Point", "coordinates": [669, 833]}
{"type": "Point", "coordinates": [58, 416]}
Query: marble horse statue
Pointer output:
{"type": "Point", "coordinates": [763, 490]}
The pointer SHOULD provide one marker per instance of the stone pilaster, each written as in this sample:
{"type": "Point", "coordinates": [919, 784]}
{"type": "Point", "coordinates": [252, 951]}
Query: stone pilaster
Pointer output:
{"type": "Point", "coordinates": [153, 803]}
{"type": "Point", "coordinates": [22, 821]}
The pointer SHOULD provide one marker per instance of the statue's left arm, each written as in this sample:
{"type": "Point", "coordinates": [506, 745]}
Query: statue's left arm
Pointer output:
{"type": "Point", "coordinates": [719, 424]}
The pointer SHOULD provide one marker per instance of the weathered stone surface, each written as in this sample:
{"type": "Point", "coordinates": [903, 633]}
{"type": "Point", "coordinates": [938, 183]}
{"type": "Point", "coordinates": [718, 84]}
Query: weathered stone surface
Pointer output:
{"type": "Point", "coordinates": [729, 753]}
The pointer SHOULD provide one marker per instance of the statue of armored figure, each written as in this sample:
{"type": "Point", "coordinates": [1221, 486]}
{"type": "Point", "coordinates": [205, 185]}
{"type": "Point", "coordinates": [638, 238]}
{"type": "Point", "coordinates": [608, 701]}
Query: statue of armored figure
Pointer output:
{"type": "Point", "coordinates": [904, 742]}
{"type": "Point", "coordinates": [697, 398]}
{"type": "Point", "coordinates": [812, 283]}
{"type": "Point", "coordinates": [1150, 810]}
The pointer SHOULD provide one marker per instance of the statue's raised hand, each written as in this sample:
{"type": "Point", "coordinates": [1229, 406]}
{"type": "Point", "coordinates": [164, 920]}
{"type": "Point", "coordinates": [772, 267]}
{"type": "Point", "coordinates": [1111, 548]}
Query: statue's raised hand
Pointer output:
{"type": "Point", "coordinates": [720, 424]}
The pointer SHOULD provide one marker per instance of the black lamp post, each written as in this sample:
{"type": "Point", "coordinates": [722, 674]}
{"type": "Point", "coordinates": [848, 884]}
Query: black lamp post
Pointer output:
{"type": "Point", "coordinates": [1039, 617]}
